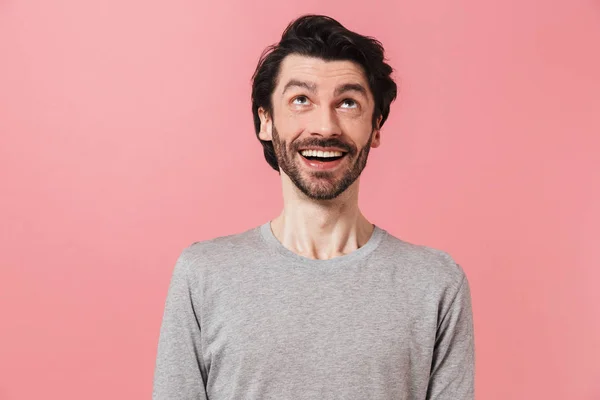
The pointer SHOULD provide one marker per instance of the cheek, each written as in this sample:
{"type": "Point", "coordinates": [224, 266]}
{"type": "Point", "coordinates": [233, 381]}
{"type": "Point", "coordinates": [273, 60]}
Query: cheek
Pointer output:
{"type": "Point", "coordinates": [358, 130]}
{"type": "Point", "coordinates": [291, 125]}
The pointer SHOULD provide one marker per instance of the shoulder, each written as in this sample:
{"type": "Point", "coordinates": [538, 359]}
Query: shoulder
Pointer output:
{"type": "Point", "coordinates": [220, 250]}
{"type": "Point", "coordinates": [425, 264]}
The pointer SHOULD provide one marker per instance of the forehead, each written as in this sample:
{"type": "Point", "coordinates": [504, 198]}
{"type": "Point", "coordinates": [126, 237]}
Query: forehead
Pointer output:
{"type": "Point", "coordinates": [325, 74]}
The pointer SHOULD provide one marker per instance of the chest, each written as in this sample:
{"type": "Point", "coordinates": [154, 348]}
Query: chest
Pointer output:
{"type": "Point", "coordinates": [348, 322]}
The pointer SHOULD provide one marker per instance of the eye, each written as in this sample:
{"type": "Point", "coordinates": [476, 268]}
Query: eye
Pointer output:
{"type": "Point", "coordinates": [300, 100]}
{"type": "Point", "coordinates": [349, 103]}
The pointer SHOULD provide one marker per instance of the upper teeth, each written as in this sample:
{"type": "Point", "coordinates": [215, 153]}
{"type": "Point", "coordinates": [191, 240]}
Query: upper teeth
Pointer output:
{"type": "Point", "coordinates": [319, 153]}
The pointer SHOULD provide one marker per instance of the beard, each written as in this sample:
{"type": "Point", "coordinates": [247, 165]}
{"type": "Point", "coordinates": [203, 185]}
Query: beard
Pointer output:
{"type": "Point", "coordinates": [321, 185]}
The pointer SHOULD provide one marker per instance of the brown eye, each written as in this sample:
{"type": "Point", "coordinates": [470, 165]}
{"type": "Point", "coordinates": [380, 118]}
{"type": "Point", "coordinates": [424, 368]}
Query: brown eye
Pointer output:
{"type": "Point", "coordinates": [349, 103]}
{"type": "Point", "coordinates": [303, 100]}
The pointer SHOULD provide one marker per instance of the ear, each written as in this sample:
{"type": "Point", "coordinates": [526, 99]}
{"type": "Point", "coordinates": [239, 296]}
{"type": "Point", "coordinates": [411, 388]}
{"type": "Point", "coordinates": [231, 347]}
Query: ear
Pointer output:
{"type": "Point", "coordinates": [266, 125]}
{"type": "Point", "coordinates": [377, 133]}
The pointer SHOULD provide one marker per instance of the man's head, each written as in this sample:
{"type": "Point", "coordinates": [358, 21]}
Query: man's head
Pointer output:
{"type": "Point", "coordinates": [321, 87]}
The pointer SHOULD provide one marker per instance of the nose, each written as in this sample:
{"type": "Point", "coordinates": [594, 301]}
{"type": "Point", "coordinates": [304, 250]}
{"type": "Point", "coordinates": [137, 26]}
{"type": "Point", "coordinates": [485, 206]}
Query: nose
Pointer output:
{"type": "Point", "coordinates": [324, 121]}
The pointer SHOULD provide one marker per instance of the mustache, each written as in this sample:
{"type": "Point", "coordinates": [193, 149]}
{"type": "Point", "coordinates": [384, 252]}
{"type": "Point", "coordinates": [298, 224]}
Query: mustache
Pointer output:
{"type": "Point", "coordinates": [325, 143]}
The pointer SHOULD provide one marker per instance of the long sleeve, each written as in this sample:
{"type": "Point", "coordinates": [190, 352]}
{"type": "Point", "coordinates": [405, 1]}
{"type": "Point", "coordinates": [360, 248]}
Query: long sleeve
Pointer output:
{"type": "Point", "coordinates": [453, 367]}
{"type": "Point", "coordinates": [177, 373]}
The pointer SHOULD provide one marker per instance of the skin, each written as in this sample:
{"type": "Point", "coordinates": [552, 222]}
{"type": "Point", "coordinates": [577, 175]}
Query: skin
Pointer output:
{"type": "Point", "coordinates": [320, 217]}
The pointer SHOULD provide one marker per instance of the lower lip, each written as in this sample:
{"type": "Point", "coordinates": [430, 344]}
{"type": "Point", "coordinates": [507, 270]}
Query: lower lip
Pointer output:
{"type": "Point", "coordinates": [322, 165]}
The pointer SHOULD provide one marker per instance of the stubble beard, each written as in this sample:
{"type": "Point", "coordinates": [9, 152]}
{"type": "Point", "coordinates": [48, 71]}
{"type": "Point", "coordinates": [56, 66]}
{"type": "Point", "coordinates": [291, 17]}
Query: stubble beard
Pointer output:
{"type": "Point", "coordinates": [320, 185]}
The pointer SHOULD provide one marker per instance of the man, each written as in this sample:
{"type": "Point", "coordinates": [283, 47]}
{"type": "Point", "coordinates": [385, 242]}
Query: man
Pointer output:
{"type": "Point", "coordinates": [318, 303]}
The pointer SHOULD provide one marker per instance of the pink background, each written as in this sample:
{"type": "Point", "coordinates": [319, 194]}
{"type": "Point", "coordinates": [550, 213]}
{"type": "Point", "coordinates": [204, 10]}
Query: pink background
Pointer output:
{"type": "Point", "coordinates": [126, 134]}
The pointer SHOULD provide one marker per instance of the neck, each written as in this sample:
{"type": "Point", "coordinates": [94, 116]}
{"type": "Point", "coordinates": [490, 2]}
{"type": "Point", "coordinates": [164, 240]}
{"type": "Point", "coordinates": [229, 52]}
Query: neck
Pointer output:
{"type": "Point", "coordinates": [322, 229]}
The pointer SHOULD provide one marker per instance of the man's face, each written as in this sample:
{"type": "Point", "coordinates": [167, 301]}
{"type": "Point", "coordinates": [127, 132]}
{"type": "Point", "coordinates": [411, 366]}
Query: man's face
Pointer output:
{"type": "Point", "coordinates": [320, 105]}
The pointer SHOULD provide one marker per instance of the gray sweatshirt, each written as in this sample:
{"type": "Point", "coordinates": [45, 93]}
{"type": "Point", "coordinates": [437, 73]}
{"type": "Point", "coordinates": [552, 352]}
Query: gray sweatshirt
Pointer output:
{"type": "Point", "coordinates": [247, 318]}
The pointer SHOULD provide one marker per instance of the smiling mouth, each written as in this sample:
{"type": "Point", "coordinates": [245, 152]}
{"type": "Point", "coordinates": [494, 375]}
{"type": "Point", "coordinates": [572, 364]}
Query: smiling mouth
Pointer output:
{"type": "Point", "coordinates": [321, 156]}
{"type": "Point", "coordinates": [322, 163]}
{"type": "Point", "coordinates": [323, 159]}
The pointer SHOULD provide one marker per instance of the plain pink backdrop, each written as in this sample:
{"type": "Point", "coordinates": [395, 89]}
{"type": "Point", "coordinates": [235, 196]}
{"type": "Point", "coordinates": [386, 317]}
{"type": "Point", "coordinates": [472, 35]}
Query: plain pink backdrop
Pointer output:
{"type": "Point", "coordinates": [126, 134]}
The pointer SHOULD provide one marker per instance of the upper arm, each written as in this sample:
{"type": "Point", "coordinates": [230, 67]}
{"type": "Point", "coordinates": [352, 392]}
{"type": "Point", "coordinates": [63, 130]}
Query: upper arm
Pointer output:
{"type": "Point", "coordinates": [453, 365]}
{"type": "Point", "coordinates": [178, 372]}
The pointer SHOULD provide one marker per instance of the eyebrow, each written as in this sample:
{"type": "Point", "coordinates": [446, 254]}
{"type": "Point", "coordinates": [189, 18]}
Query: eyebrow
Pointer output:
{"type": "Point", "coordinates": [350, 87]}
{"type": "Point", "coordinates": [312, 87]}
